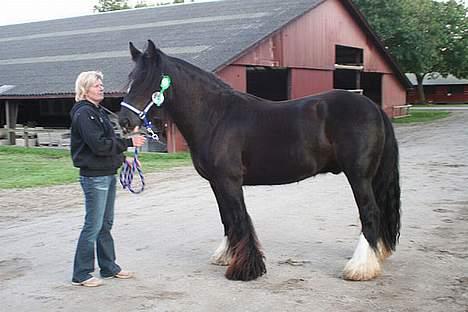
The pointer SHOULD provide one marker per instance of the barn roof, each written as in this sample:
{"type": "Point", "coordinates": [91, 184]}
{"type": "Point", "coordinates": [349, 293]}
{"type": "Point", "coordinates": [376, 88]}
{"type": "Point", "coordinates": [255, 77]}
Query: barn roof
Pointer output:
{"type": "Point", "coordinates": [44, 58]}
{"type": "Point", "coordinates": [435, 79]}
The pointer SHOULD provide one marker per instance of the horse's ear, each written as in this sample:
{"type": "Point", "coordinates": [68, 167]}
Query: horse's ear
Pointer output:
{"type": "Point", "coordinates": [134, 52]}
{"type": "Point", "coordinates": [151, 49]}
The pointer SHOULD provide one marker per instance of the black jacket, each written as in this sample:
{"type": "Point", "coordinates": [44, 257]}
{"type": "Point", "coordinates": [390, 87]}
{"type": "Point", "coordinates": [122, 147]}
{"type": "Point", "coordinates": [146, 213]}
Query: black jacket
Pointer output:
{"type": "Point", "coordinates": [95, 148]}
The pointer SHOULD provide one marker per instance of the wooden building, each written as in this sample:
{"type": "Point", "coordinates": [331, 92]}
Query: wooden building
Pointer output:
{"type": "Point", "coordinates": [440, 90]}
{"type": "Point", "coordinates": [274, 49]}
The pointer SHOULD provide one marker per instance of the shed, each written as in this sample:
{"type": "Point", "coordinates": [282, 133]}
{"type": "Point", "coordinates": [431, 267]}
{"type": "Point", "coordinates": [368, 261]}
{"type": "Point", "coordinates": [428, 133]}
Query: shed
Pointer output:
{"type": "Point", "coordinates": [439, 89]}
{"type": "Point", "coordinates": [274, 49]}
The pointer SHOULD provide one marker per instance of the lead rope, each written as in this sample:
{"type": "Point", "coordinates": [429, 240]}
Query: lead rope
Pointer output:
{"type": "Point", "coordinates": [128, 170]}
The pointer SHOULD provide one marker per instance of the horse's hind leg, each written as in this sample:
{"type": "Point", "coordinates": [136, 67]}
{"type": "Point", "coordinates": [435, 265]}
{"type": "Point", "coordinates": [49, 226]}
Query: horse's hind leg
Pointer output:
{"type": "Point", "coordinates": [244, 255]}
{"type": "Point", "coordinates": [364, 265]}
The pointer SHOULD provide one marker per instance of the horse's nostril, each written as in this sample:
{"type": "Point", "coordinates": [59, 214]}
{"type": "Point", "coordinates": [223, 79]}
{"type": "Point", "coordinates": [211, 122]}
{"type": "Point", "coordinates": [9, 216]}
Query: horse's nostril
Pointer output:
{"type": "Point", "coordinates": [124, 122]}
{"type": "Point", "coordinates": [125, 125]}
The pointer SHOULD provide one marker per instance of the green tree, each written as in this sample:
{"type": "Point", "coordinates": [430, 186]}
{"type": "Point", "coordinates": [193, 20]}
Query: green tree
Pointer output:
{"type": "Point", "coordinates": [424, 36]}
{"type": "Point", "coordinates": [111, 5]}
{"type": "Point", "coordinates": [142, 4]}
{"type": "Point", "coordinates": [173, 2]}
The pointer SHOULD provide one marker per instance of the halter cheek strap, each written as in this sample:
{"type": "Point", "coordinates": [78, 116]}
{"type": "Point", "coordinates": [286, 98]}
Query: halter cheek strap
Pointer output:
{"type": "Point", "coordinates": [141, 114]}
{"type": "Point", "coordinates": [156, 99]}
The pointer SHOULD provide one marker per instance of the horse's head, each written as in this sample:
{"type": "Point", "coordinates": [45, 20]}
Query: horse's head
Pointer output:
{"type": "Point", "coordinates": [144, 81]}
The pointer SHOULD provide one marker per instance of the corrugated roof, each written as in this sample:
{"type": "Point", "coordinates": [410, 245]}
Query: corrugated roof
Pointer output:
{"type": "Point", "coordinates": [436, 79]}
{"type": "Point", "coordinates": [44, 58]}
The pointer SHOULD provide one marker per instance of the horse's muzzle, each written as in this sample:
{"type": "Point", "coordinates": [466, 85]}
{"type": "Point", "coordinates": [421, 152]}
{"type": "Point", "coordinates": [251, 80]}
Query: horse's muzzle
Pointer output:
{"type": "Point", "coordinates": [125, 125]}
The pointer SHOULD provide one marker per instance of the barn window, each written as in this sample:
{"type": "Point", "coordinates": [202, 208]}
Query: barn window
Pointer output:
{"type": "Point", "coordinates": [348, 68]}
{"type": "Point", "coordinates": [454, 89]}
{"type": "Point", "coordinates": [348, 56]}
{"type": "Point", "coordinates": [270, 83]}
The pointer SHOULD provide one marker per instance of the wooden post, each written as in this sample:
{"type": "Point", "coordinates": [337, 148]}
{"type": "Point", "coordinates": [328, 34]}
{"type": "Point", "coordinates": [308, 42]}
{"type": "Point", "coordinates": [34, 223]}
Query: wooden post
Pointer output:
{"type": "Point", "coordinates": [11, 118]}
{"type": "Point", "coordinates": [26, 136]}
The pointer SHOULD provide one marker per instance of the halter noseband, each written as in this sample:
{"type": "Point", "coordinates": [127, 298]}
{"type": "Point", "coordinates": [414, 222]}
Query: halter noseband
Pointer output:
{"type": "Point", "coordinates": [157, 98]}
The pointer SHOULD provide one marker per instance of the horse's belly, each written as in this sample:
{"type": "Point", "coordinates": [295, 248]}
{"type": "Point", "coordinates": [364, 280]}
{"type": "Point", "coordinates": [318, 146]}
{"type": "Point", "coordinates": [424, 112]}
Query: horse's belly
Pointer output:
{"type": "Point", "coordinates": [279, 173]}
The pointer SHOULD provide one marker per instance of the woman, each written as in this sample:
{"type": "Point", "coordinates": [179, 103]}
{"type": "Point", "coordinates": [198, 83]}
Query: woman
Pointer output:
{"type": "Point", "coordinates": [98, 152]}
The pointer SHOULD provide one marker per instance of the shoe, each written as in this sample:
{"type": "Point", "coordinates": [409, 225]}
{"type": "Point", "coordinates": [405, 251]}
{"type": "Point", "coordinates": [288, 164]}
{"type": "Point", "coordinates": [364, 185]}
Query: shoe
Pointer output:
{"type": "Point", "coordinates": [90, 282]}
{"type": "Point", "coordinates": [122, 275]}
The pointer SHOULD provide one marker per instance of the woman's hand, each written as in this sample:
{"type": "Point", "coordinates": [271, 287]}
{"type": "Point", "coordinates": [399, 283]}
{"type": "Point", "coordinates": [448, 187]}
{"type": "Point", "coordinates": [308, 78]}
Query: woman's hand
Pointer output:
{"type": "Point", "coordinates": [130, 160]}
{"type": "Point", "coordinates": [138, 140]}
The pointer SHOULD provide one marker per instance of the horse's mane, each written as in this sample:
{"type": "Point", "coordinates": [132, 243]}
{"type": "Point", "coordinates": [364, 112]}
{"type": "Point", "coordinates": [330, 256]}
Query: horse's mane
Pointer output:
{"type": "Point", "coordinates": [152, 77]}
{"type": "Point", "coordinates": [206, 77]}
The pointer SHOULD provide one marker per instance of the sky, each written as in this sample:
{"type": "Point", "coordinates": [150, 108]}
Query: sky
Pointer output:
{"type": "Point", "coordinates": [24, 11]}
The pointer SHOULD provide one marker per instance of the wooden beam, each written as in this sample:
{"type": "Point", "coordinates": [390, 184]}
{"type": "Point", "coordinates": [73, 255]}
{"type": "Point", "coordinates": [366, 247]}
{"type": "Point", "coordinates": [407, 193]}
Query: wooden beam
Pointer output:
{"type": "Point", "coordinates": [351, 67]}
{"type": "Point", "coordinates": [11, 112]}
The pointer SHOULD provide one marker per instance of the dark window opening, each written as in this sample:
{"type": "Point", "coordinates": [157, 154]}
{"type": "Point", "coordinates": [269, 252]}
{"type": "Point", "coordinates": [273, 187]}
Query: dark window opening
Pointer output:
{"type": "Point", "coordinates": [52, 113]}
{"type": "Point", "coordinates": [268, 83]}
{"type": "Point", "coordinates": [455, 89]}
{"type": "Point", "coordinates": [348, 56]}
{"type": "Point", "coordinates": [346, 79]}
{"type": "Point", "coordinates": [371, 83]}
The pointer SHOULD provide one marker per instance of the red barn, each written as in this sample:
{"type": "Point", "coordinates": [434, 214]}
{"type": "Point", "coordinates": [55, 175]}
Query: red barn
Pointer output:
{"type": "Point", "coordinates": [274, 49]}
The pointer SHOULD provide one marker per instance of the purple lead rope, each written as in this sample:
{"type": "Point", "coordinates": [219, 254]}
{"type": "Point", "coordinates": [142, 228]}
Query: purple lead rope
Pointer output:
{"type": "Point", "coordinates": [128, 172]}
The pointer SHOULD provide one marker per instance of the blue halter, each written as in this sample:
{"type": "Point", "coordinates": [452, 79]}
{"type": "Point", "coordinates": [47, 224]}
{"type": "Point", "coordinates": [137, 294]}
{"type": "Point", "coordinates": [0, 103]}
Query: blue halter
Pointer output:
{"type": "Point", "coordinates": [156, 99]}
{"type": "Point", "coordinates": [128, 170]}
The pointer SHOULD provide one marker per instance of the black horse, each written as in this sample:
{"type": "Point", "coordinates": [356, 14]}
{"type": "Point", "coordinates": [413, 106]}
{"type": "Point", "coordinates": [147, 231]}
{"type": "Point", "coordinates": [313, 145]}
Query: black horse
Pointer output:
{"type": "Point", "coordinates": [238, 139]}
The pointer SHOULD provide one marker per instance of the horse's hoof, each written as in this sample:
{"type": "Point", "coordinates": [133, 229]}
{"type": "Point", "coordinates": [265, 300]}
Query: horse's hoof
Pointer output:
{"type": "Point", "coordinates": [246, 272]}
{"type": "Point", "coordinates": [222, 261]}
{"type": "Point", "coordinates": [354, 271]}
{"type": "Point", "coordinates": [365, 264]}
{"type": "Point", "coordinates": [243, 276]}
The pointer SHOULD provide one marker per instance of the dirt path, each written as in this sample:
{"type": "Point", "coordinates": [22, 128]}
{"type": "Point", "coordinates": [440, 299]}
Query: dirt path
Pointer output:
{"type": "Point", "coordinates": [308, 231]}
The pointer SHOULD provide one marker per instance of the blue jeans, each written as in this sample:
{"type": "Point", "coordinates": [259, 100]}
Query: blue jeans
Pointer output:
{"type": "Point", "coordinates": [99, 203]}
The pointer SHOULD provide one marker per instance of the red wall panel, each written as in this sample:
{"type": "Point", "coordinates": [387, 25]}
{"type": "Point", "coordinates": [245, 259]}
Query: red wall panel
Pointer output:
{"type": "Point", "coordinates": [306, 82]}
{"type": "Point", "coordinates": [235, 76]}
{"type": "Point", "coordinates": [393, 94]}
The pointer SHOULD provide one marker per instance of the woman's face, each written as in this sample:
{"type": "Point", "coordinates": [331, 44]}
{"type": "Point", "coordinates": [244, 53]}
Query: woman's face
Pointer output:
{"type": "Point", "coordinates": [95, 93]}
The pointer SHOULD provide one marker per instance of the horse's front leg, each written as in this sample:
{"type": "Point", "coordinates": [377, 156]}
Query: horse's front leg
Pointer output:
{"type": "Point", "coordinates": [241, 248]}
{"type": "Point", "coordinates": [222, 254]}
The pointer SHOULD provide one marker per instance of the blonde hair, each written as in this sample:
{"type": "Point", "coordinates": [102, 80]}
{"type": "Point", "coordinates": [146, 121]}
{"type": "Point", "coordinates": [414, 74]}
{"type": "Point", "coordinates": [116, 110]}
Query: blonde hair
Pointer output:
{"type": "Point", "coordinates": [84, 81]}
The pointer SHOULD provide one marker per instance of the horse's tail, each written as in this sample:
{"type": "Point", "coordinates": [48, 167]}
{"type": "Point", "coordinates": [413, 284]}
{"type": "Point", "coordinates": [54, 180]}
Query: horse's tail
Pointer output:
{"type": "Point", "coordinates": [386, 185]}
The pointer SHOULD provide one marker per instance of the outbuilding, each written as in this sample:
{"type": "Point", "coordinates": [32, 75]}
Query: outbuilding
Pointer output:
{"type": "Point", "coordinates": [439, 89]}
{"type": "Point", "coordinates": [274, 49]}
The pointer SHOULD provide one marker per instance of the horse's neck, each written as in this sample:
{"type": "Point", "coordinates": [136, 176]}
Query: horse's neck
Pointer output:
{"type": "Point", "coordinates": [192, 108]}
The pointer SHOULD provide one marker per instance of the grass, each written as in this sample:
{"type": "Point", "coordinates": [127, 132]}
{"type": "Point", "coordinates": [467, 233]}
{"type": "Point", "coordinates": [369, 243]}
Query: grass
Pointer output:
{"type": "Point", "coordinates": [440, 105]}
{"type": "Point", "coordinates": [421, 116]}
{"type": "Point", "coordinates": [32, 167]}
